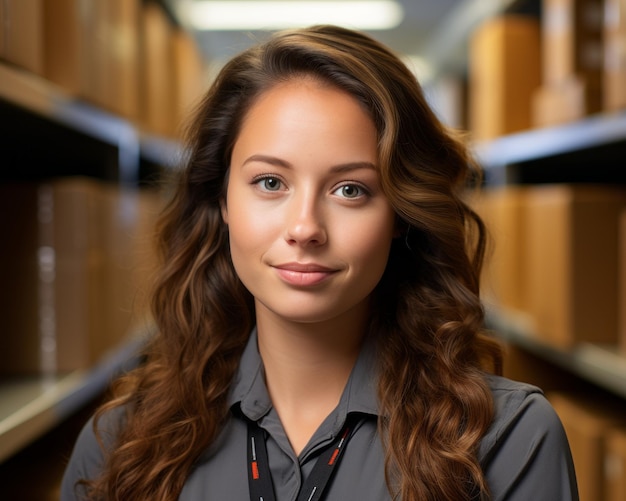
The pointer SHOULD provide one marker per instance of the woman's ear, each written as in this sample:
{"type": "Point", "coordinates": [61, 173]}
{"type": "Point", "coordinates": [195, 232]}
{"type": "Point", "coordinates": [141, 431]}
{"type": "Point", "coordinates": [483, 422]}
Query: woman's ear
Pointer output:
{"type": "Point", "coordinates": [224, 210]}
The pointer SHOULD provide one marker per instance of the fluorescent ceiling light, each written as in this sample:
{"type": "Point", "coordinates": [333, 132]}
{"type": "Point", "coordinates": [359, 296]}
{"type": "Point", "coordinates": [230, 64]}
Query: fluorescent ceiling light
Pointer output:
{"type": "Point", "coordinates": [261, 15]}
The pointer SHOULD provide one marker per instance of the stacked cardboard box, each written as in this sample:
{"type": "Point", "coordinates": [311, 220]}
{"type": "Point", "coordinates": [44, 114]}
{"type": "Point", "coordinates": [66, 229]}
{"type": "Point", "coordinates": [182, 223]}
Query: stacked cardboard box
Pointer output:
{"type": "Point", "coordinates": [172, 72]}
{"type": "Point", "coordinates": [588, 423]}
{"type": "Point", "coordinates": [622, 283]}
{"type": "Point", "coordinates": [556, 258]}
{"type": "Point", "coordinates": [614, 55]}
{"type": "Point", "coordinates": [128, 218]}
{"type": "Point", "coordinates": [502, 209]}
{"type": "Point", "coordinates": [504, 71]}
{"type": "Point", "coordinates": [572, 62]}
{"type": "Point", "coordinates": [91, 50]}
{"type": "Point", "coordinates": [571, 253]}
{"type": "Point", "coordinates": [21, 33]}
{"type": "Point", "coordinates": [124, 56]}
{"type": "Point", "coordinates": [157, 109]}
{"type": "Point", "coordinates": [615, 465]}
{"type": "Point", "coordinates": [190, 78]}
{"type": "Point", "coordinates": [68, 272]}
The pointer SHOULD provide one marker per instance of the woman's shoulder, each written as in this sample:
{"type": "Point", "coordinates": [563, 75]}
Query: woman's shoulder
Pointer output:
{"type": "Point", "coordinates": [513, 398]}
{"type": "Point", "coordinates": [506, 389]}
{"type": "Point", "coordinates": [525, 452]}
{"type": "Point", "coordinates": [520, 410]}
{"type": "Point", "coordinates": [88, 454]}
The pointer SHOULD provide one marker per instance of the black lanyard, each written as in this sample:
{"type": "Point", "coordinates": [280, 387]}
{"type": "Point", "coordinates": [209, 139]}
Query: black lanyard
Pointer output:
{"type": "Point", "coordinates": [260, 480]}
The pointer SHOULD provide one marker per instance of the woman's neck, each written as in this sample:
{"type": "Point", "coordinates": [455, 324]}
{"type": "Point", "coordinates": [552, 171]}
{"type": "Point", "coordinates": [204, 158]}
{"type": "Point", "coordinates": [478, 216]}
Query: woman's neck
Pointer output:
{"type": "Point", "coordinates": [306, 368]}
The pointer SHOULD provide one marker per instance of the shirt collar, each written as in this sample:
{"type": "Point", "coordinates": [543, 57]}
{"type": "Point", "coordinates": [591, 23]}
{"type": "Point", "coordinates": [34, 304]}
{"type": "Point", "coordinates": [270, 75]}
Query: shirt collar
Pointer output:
{"type": "Point", "coordinates": [249, 390]}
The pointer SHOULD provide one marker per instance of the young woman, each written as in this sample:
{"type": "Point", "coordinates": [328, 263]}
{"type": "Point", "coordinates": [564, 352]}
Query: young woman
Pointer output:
{"type": "Point", "coordinates": [320, 331]}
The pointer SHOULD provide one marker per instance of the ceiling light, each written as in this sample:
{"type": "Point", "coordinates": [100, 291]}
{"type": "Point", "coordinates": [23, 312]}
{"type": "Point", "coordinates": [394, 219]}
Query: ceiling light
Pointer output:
{"type": "Point", "coordinates": [261, 15]}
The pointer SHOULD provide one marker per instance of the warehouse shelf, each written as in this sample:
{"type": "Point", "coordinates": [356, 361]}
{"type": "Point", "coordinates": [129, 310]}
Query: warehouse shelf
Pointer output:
{"type": "Point", "coordinates": [40, 97]}
{"type": "Point", "coordinates": [31, 406]}
{"type": "Point", "coordinates": [591, 132]}
{"type": "Point", "coordinates": [43, 98]}
{"type": "Point", "coordinates": [55, 133]}
{"type": "Point", "coordinates": [160, 150]}
{"type": "Point", "coordinates": [602, 365]}
{"type": "Point", "coordinates": [559, 153]}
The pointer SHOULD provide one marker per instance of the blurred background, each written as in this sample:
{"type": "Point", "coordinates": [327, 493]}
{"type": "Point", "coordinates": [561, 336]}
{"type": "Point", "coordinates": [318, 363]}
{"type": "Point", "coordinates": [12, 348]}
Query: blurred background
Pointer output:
{"type": "Point", "coordinates": [94, 95]}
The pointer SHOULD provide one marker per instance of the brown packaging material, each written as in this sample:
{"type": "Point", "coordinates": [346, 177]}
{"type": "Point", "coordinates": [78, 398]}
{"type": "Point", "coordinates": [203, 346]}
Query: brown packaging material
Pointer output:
{"type": "Point", "coordinates": [572, 44]}
{"type": "Point", "coordinates": [52, 270]}
{"type": "Point", "coordinates": [504, 71]}
{"type": "Point", "coordinates": [622, 283]}
{"type": "Point", "coordinates": [129, 265]}
{"type": "Point", "coordinates": [68, 60]}
{"type": "Point", "coordinates": [586, 422]}
{"type": "Point", "coordinates": [614, 91]}
{"type": "Point", "coordinates": [571, 252]}
{"type": "Point", "coordinates": [71, 268]}
{"type": "Point", "coordinates": [558, 103]}
{"type": "Point", "coordinates": [189, 69]}
{"type": "Point", "coordinates": [92, 51]}
{"type": "Point", "coordinates": [157, 76]}
{"type": "Point", "coordinates": [615, 465]}
{"type": "Point", "coordinates": [522, 365]}
{"type": "Point", "coordinates": [21, 28]}
{"type": "Point", "coordinates": [502, 209]}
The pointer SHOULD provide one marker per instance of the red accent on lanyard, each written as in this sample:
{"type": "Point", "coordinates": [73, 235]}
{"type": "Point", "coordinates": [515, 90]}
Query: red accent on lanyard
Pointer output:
{"type": "Point", "coordinates": [260, 480]}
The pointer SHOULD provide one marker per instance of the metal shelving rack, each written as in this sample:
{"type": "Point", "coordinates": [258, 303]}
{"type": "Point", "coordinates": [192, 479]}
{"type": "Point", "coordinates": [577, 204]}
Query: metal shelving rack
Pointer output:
{"type": "Point", "coordinates": [597, 141]}
{"type": "Point", "coordinates": [601, 365]}
{"type": "Point", "coordinates": [31, 406]}
{"type": "Point", "coordinates": [593, 132]}
{"type": "Point", "coordinates": [40, 97]}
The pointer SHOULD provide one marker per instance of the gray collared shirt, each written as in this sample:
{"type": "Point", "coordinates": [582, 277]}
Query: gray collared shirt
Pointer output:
{"type": "Point", "coordinates": [525, 454]}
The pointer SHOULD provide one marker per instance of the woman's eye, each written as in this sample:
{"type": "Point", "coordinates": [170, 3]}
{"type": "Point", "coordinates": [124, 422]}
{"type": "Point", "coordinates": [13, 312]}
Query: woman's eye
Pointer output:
{"type": "Point", "coordinates": [269, 183]}
{"type": "Point", "coordinates": [350, 191]}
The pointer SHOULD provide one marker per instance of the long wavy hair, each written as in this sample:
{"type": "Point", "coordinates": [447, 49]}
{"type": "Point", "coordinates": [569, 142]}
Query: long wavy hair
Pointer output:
{"type": "Point", "coordinates": [435, 403]}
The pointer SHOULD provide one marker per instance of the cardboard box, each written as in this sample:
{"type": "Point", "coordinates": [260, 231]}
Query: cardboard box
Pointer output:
{"type": "Point", "coordinates": [587, 421]}
{"type": "Point", "coordinates": [51, 268]}
{"type": "Point", "coordinates": [117, 50]}
{"type": "Point", "coordinates": [558, 103]}
{"type": "Point", "coordinates": [621, 288]}
{"type": "Point", "coordinates": [520, 364]}
{"type": "Point", "coordinates": [157, 105]}
{"type": "Point", "coordinates": [67, 60]}
{"type": "Point", "coordinates": [571, 252]}
{"type": "Point", "coordinates": [130, 258]}
{"type": "Point", "coordinates": [614, 79]}
{"type": "Point", "coordinates": [504, 71]}
{"type": "Point", "coordinates": [92, 51]}
{"type": "Point", "coordinates": [504, 271]}
{"type": "Point", "coordinates": [50, 311]}
{"type": "Point", "coordinates": [615, 465]}
{"type": "Point", "coordinates": [76, 256]}
{"type": "Point", "coordinates": [572, 33]}
{"type": "Point", "coordinates": [21, 33]}
{"type": "Point", "coordinates": [190, 80]}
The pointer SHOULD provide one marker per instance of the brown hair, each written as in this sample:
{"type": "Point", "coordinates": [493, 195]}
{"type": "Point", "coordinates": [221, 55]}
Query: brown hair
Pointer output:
{"type": "Point", "coordinates": [434, 400]}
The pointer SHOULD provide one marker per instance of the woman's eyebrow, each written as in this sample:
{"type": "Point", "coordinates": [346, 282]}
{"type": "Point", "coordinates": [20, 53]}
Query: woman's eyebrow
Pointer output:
{"type": "Point", "coordinates": [350, 166]}
{"type": "Point", "coordinates": [268, 159]}
{"type": "Point", "coordinates": [279, 162]}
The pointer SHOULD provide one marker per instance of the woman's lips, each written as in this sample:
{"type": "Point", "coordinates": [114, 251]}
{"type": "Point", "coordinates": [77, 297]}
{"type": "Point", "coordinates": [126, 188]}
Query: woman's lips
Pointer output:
{"type": "Point", "coordinates": [303, 275]}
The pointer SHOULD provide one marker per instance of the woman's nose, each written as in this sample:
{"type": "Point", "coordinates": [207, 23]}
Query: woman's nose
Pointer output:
{"type": "Point", "coordinates": [305, 225]}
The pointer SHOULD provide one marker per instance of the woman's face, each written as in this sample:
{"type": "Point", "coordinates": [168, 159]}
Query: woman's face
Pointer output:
{"type": "Point", "coordinates": [310, 228]}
